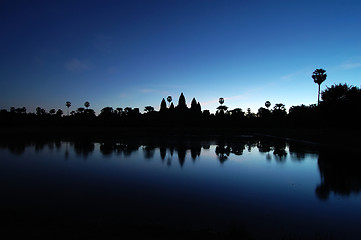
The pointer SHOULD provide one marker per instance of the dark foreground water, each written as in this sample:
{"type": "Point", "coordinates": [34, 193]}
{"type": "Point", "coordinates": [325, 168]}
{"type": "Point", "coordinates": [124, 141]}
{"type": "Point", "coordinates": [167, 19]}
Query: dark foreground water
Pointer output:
{"type": "Point", "coordinates": [242, 188]}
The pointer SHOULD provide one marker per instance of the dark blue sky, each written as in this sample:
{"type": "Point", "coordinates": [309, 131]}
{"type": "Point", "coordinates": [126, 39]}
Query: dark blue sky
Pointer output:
{"type": "Point", "coordinates": [134, 53]}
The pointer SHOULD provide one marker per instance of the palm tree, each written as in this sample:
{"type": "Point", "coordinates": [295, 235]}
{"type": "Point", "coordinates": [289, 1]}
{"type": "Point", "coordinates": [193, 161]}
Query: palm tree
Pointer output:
{"type": "Point", "coordinates": [221, 100]}
{"type": "Point", "coordinates": [68, 104]}
{"type": "Point", "coordinates": [319, 76]}
{"type": "Point", "coordinates": [169, 99]}
{"type": "Point", "coordinates": [267, 104]}
{"type": "Point", "coordinates": [86, 104]}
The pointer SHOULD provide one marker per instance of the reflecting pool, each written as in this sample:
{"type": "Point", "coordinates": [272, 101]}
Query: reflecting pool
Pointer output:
{"type": "Point", "coordinates": [251, 187]}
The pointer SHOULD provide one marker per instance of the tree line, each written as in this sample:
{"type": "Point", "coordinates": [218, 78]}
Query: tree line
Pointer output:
{"type": "Point", "coordinates": [339, 106]}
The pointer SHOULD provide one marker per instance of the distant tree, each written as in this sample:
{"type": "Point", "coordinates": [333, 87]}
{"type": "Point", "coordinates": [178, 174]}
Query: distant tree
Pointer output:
{"type": "Point", "coordinates": [68, 104]}
{"type": "Point", "coordinates": [267, 104]}
{"type": "Point", "coordinates": [341, 93]}
{"type": "Point", "coordinates": [263, 112]}
{"type": "Point", "coordinates": [40, 111]}
{"type": "Point", "coordinates": [106, 112]}
{"type": "Point", "coordinates": [20, 110]}
{"type": "Point", "coordinates": [303, 115]}
{"type": "Point", "coordinates": [237, 112]}
{"type": "Point", "coordinates": [163, 106]}
{"type": "Point", "coordinates": [249, 113]}
{"type": "Point", "coordinates": [89, 113]}
{"type": "Point", "coordinates": [119, 111]}
{"type": "Point", "coordinates": [52, 111]}
{"type": "Point", "coordinates": [59, 112]}
{"type": "Point", "coordinates": [221, 100]}
{"type": "Point", "coordinates": [149, 109]}
{"type": "Point", "coordinates": [80, 110]}
{"type": "Point", "coordinates": [319, 76]}
{"type": "Point", "coordinates": [279, 110]}
{"type": "Point", "coordinates": [136, 111]}
{"type": "Point", "coordinates": [86, 104]}
{"type": "Point", "coordinates": [128, 111]}
{"type": "Point", "coordinates": [222, 109]}
{"type": "Point", "coordinates": [279, 106]}
{"type": "Point", "coordinates": [169, 99]}
{"type": "Point", "coordinates": [206, 113]}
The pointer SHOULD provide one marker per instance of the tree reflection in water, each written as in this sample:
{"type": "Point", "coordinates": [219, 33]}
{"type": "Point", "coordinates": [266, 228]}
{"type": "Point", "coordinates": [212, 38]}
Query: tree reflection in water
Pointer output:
{"type": "Point", "coordinates": [340, 173]}
{"type": "Point", "coordinates": [339, 170]}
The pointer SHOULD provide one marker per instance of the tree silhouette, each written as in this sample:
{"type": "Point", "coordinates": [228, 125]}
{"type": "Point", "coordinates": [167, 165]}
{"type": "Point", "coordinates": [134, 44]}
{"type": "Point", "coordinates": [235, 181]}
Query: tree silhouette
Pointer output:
{"type": "Point", "coordinates": [68, 104]}
{"type": "Point", "coordinates": [52, 111]}
{"type": "Point", "coordinates": [249, 113]}
{"type": "Point", "coordinates": [222, 108]}
{"type": "Point", "coordinates": [87, 104]}
{"type": "Point", "coordinates": [40, 111]}
{"type": "Point", "coordinates": [263, 113]}
{"type": "Point", "coordinates": [119, 111]}
{"type": "Point", "coordinates": [169, 99]}
{"type": "Point", "coordinates": [59, 112]}
{"type": "Point", "coordinates": [221, 100]}
{"type": "Point", "coordinates": [149, 109]}
{"type": "Point", "coordinates": [341, 93]}
{"type": "Point", "coordinates": [237, 112]}
{"type": "Point", "coordinates": [279, 110]}
{"type": "Point", "coordinates": [267, 104]}
{"type": "Point", "coordinates": [319, 76]}
{"type": "Point", "coordinates": [20, 110]}
{"type": "Point", "coordinates": [80, 110]}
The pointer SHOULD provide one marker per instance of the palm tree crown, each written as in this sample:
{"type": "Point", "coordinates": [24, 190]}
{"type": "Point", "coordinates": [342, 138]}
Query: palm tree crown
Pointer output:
{"type": "Point", "coordinates": [169, 99]}
{"type": "Point", "coordinates": [319, 76]}
{"type": "Point", "coordinates": [86, 104]}
{"type": "Point", "coordinates": [221, 100]}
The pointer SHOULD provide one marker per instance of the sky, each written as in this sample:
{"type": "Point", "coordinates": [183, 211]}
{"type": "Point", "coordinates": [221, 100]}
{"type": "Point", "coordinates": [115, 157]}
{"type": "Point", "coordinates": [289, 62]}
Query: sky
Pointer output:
{"type": "Point", "coordinates": [134, 53]}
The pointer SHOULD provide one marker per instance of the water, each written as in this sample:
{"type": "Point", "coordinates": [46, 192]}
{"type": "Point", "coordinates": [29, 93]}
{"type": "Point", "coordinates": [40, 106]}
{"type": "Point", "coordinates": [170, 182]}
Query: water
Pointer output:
{"type": "Point", "coordinates": [257, 188]}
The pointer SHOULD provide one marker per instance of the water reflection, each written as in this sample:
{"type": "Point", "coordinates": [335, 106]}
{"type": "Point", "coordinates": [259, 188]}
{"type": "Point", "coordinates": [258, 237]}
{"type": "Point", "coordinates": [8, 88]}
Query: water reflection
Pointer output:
{"type": "Point", "coordinates": [257, 182]}
{"type": "Point", "coordinates": [83, 148]}
{"type": "Point", "coordinates": [339, 170]}
{"type": "Point", "coordinates": [340, 173]}
{"type": "Point", "coordinates": [223, 152]}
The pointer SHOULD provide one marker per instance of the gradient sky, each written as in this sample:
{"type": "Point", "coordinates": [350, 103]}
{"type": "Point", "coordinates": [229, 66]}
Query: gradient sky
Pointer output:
{"type": "Point", "coordinates": [134, 53]}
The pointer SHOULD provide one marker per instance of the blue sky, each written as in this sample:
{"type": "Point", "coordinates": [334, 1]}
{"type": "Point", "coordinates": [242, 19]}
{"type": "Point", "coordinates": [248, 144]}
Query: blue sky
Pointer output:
{"type": "Point", "coordinates": [134, 53]}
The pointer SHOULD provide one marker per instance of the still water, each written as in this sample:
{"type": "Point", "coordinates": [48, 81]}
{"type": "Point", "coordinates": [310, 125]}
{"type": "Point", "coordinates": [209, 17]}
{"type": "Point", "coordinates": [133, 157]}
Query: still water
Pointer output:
{"type": "Point", "coordinates": [267, 188]}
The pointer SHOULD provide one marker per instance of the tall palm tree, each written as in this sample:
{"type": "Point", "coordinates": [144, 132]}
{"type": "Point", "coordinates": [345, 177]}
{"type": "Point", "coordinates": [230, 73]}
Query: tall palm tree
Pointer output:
{"type": "Point", "coordinates": [68, 104]}
{"type": "Point", "coordinates": [319, 76]}
{"type": "Point", "coordinates": [222, 108]}
{"type": "Point", "coordinates": [86, 104]}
